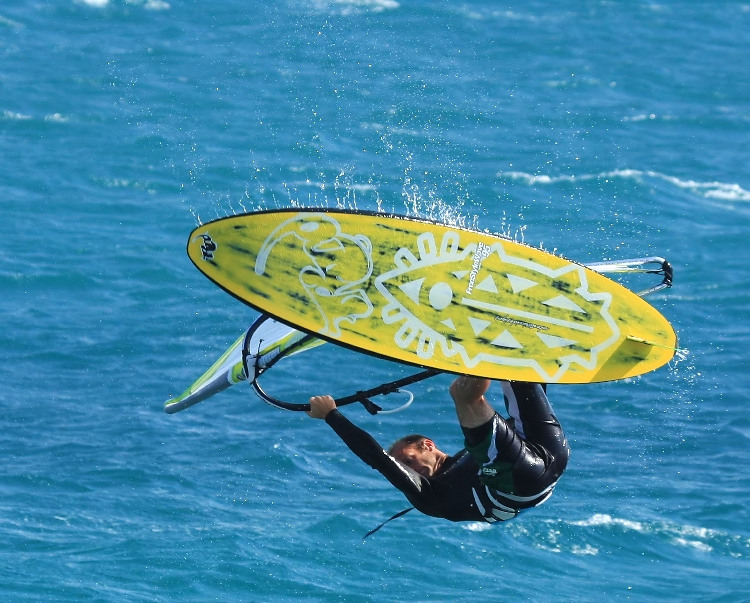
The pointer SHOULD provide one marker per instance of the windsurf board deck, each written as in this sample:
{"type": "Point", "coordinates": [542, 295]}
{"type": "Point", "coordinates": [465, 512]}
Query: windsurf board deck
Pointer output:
{"type": "Point", "coordinates": [434, 295]}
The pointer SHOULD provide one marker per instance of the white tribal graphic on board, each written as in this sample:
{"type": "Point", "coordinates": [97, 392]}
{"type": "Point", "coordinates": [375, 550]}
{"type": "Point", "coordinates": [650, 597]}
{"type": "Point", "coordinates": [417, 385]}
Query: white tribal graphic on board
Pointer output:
{"type": "Point", "coordinates": [336, 266]}
{"type": "Point", "coordinates": [458, 300]}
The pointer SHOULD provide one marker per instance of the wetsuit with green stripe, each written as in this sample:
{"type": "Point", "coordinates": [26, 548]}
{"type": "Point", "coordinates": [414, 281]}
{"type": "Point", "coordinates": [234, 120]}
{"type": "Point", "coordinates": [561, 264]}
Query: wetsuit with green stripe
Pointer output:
{"type": "Point", "coordinates": [508, 465]}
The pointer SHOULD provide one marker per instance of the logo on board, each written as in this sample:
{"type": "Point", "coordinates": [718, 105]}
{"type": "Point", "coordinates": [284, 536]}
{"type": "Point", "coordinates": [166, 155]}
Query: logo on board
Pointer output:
{"type": "Point", "coordinates": [207, 247]}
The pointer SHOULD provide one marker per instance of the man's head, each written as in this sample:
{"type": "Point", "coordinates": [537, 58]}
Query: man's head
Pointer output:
{"type": "Point", "coordinates": [419, 453]}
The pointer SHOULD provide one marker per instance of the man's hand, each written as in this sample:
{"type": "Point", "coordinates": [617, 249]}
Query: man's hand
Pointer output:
{"type": "Point", "coordinates": [469, 390]}
{"type": "Point", "coordinates": [320, 406]}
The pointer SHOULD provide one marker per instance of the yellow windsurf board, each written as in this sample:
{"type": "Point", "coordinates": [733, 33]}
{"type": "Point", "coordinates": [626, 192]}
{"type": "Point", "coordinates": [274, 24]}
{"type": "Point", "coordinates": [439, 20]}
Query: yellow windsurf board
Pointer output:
{"type": "Point", "coordinates": [434, 295]}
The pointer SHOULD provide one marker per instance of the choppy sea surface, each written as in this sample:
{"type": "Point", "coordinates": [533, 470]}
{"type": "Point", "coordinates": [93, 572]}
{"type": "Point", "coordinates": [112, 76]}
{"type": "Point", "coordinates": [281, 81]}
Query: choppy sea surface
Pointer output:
{"type": "Point", "coordinates": [597, 129]}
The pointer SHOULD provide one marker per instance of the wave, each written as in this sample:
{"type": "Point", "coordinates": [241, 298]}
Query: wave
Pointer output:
{"type": "Point", "coordinates": [711, 190]}
{"type": "Point", "coordinates": [14, 116]}
{"type": "Point", "coordinates": [687, 536]}
{"type": "Point", "coordinates": [147, 4]}
{"type": "Point", "coordinates": [9, 22]}
{"type": "Point", "coordinates": [349, 7]}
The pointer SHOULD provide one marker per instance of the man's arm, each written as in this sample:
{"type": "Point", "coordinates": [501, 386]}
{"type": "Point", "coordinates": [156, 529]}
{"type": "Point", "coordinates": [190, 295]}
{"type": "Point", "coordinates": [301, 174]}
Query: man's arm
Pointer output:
{"type": "Point", "coordinates": [471, 406]}
{"type": "Point", "coordinates": [366, 447]}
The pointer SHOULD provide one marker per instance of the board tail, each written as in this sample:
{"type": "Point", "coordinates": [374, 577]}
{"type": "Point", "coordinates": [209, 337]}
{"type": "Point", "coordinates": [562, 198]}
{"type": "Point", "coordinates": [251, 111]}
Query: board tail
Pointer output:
{"type": "Point", "coordinates": [259, 348]}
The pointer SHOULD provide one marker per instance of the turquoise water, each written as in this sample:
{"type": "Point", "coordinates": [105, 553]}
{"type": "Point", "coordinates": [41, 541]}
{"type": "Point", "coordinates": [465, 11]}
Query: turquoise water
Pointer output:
{"type": "Point", "coordinates": [596, 129]}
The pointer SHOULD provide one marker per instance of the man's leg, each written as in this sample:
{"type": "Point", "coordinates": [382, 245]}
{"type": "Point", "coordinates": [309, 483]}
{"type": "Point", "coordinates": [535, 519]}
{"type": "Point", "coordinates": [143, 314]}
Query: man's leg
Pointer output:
{"type": "Point", "coordinates": [533, 418]}
{"type": "Point", "coordinates": [544, 452]}
{"type": "Point", "coordinates": [523, 455]}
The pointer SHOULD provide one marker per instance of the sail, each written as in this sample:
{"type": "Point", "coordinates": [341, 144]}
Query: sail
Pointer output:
{"type": "Point", "coordinates": [259, 348]}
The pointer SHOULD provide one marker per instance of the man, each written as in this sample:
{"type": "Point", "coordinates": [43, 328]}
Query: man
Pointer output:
{"type": "Point", "coordinates": [508, 465]}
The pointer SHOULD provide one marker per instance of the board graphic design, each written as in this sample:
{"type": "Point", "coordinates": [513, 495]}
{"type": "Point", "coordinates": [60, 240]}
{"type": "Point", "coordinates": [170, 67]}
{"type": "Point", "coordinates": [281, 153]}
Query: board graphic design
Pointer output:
{"type": "Point", "coordinates": [433, 295]}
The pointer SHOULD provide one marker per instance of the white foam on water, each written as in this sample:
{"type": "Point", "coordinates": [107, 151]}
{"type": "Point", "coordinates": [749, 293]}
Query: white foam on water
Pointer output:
{"type": "Point", "coordinates": [713, 189]}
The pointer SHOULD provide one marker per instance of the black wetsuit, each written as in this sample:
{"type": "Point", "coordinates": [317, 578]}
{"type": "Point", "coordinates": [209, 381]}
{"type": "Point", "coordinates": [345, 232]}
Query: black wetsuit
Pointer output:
{"type": "Point", "coordinates": [510, 465]}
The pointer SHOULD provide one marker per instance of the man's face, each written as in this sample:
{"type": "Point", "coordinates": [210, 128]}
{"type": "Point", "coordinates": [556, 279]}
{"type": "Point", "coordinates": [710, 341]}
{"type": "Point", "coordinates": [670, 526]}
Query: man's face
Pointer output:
{"type": "Point", "coordinates": [422, 457]}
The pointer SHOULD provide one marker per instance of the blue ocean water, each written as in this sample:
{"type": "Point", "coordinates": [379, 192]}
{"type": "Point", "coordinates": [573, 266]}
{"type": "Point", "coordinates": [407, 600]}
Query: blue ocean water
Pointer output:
{"type": "Point", "coordinates": [599, 129]}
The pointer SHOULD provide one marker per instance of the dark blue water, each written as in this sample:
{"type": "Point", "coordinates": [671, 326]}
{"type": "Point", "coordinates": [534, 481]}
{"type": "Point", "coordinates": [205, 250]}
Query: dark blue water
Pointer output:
{"type": "Point", "coordinates": [596, 129]}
